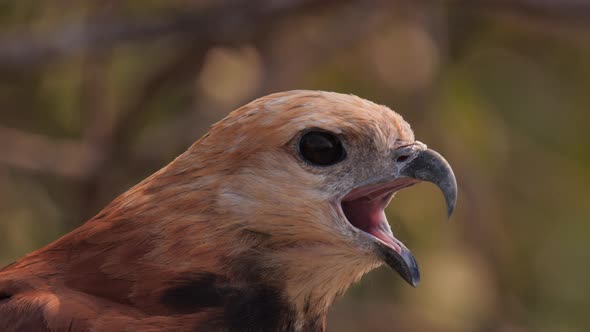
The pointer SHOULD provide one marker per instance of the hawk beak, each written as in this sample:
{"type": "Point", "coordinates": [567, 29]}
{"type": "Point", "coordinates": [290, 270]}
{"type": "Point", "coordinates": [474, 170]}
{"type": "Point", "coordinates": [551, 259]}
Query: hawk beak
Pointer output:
{"type": "Point", "coordinates": [427, 165]}
{"type": "Point", "coordinates": [430, 166]}
{"type": "Point", "coordinates": [364, 206]}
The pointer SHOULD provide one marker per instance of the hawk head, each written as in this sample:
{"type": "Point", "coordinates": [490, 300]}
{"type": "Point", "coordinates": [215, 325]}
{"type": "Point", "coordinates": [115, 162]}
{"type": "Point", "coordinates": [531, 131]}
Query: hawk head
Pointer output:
{"type": "Point", "coordinates": [296, 184]}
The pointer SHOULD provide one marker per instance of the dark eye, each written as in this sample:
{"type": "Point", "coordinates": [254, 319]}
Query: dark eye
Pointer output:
{"type": "Point", "coordinates": [321, 148]}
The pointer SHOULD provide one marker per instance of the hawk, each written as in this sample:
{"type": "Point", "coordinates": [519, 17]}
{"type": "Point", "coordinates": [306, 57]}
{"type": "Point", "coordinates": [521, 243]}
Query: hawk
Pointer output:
{"type": "Point", "coordinates": [258, 226]}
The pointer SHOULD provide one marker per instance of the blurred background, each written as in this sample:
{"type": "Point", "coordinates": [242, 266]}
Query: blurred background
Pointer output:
{"type": "Point", "coordinates": [96, 95]}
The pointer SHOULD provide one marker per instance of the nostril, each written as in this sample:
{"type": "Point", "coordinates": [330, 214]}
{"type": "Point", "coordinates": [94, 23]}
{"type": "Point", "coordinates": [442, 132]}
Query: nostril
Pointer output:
{"type": "Point", "coordinates": [402, 158]}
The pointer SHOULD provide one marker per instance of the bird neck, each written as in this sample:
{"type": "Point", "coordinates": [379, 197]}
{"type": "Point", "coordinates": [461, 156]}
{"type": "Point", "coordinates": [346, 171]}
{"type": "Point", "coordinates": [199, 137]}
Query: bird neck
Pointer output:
{"type": "Point", "coordinates": [310, 277]}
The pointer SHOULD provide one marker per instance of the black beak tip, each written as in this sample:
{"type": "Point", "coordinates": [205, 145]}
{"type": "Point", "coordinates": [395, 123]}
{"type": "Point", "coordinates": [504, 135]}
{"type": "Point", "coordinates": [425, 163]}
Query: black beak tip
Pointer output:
{"type": "Point", "coordinates": [403, 263]}
{"type": "Point", "coordinates": [451, 206]}
{"type": "Point", "coordinates": [413, 272]}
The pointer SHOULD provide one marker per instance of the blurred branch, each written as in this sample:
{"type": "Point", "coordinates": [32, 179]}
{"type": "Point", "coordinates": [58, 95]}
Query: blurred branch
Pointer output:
{"type": "Point", "coordinates": [573, 11]}
{"type": "Point", "coordinates": [33, 152]}
{"type": "Point", "coordinates": [185, 65]}
{"type": "Point", "coordinates": [233, 22]}
{"type": "Point", "coordinates": [113, 139]}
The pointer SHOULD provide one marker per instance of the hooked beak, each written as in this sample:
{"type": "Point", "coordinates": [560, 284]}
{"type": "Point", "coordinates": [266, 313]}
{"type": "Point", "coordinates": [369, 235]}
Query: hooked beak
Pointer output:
{"type": "Point", "coordinates": [430, 166]}
{"type": "Point", "coordinates": [364, 206]}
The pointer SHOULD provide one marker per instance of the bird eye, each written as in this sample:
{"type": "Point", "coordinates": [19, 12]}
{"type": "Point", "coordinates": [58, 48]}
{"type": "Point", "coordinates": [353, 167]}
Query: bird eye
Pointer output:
{"type": "Point", "coordinates": [321, 148]}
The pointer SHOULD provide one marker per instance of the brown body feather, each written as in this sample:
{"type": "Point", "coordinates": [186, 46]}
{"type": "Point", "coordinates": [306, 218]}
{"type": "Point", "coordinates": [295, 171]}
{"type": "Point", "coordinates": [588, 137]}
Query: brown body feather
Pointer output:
{"type": "Point", "coordinates": [235, 234]}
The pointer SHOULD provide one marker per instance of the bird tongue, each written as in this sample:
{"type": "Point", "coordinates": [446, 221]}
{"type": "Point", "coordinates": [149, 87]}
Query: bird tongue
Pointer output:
{"type": "Point", "coordinates": [363, 207]}
{"type": "Point", "coordinates": [366, 213]}
{"type": "Point", "coordinates": [387, 237]}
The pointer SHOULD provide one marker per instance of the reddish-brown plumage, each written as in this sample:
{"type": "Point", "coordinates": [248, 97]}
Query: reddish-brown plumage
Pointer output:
{"type": "Point", "coordinates": [237, 233]}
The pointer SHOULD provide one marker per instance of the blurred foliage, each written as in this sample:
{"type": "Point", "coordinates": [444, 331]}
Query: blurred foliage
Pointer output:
{"type": "Point", "coordinates": [89, 106]}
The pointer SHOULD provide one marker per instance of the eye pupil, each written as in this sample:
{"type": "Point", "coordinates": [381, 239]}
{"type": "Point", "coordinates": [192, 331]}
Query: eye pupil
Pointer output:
{"type": "Point", "coordinates": [321, 148]}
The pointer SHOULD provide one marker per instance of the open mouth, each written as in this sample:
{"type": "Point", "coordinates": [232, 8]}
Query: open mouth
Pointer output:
{"type": "Point", "coordinates": [364, 208]}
